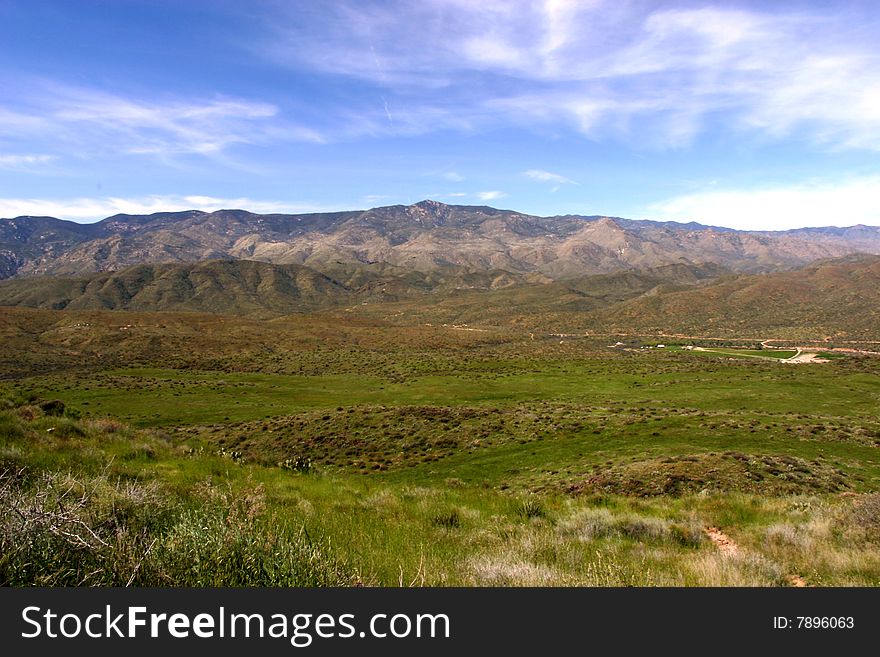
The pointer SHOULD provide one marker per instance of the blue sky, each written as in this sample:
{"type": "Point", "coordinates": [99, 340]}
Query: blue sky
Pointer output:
{"type": "Point", "coordinates": [757, 115]}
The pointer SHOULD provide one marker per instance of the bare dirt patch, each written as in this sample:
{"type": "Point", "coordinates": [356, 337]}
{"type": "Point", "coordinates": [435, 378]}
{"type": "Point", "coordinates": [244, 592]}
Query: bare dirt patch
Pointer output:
{"type": "Point", "coordinates": [803, 356]}
{"type": "Point", "coordinates": [797, 581]}
{"type": "Point", "coordinates": [722, 541]}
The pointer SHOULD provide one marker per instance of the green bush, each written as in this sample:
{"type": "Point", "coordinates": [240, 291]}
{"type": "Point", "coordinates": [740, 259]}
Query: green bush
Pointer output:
{"type": "Point", "coordinates": [449, 520]}
{"type": "Point", "coordinates": [66, 530]}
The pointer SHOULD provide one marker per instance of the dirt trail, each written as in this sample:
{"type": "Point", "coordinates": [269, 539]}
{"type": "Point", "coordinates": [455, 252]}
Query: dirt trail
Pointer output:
{"type": "Point", "coordinates": [728, 548]}
{"type": "Point", "coordinates": [722, 541]}
{"type": "Point", "coordinates": [803, 356]}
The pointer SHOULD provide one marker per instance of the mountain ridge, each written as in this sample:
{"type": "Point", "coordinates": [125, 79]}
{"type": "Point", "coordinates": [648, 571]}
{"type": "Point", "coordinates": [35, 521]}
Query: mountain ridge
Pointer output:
{"type": "Point", "coordinates": [425, 236]}
{"type": "Point", "coordinates": [257, 288]}
{"type": "Point", "coordinates": [828, 299]}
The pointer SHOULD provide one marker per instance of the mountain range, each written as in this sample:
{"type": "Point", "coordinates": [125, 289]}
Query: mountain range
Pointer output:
{"type": "Point", "coordinates": [423, 237]}
{"type": "Point", "coordinates": [434, 263]}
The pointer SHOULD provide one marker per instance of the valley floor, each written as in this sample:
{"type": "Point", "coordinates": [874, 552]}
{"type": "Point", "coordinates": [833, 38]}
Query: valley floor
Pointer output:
{"type": "Point", "coordinates": [191, 450]}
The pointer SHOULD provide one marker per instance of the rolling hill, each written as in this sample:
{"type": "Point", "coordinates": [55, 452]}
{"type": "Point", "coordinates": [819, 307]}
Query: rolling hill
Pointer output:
{"type": "Point", "coordinates": [540, 304]}
{"type": "Point", "coordinates": [838, 298]}
{"type": "Point", "coordinates": [233, 287]}
{"type": "Point", "coordinates": [246, 287]}
{"type": "Point", "coordinates": [828, 299]}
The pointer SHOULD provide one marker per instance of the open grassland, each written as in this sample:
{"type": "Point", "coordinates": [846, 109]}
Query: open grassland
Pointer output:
{"type": "Point", "coordinates": [97, 502]}
{"type": "Point", "coordinates": [194, 450]}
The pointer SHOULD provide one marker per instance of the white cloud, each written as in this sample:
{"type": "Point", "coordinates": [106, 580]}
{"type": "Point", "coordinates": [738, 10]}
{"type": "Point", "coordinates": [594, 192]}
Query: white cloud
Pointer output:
{"type": "Point", "coordinates": [85, 121]}
{"type": "Point", "coordinates": [656, 74]}
{"type": "Point", "coordinates": [490, 195]}
{"type": "Point", "coordinates": [94, 209]}
{"type": "Point", "coordinates": [453, 176]}
{"type": "Point", "coordinates": [548, 176]}
{"type": "Point", "coordinates": [26, 162]}
{"type": "Point", "coordinates": [835, 203]}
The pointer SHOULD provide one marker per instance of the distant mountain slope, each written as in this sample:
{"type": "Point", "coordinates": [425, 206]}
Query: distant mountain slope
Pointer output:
{"type": "Point", "coordinates": [424, 237]}
{"type": "Point", "coordinates": [244, 286]}
{"type": "Point", "coordinates": [250, 287]}
{"type": "Point", "coordinates": [234, 287]}
{"type": "Point", "coordinates": [539, 304]}
{"type": "Point", "coordinates": [829, 298]}
{"type": "Point", "coordinates": [26, 240]}
{"type": "Point", "coordinates": [838, 298]}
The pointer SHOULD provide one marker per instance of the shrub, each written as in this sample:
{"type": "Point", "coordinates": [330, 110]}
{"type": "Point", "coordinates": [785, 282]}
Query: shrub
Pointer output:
{"type": "Point", "coordinates": [687, 534]}
{"type": "Point", "coordinates": [61, 427]}
{"type": "Point", "coordinates": [60, 531]}
{"type": "Point", "coordinates": [67, 530]}
{"type": "Point", "coordinates": [865, 515]}
{"type": "Point", "coordinates": [11, 426]}
{"type": "Point", "coordinates": [297, 464]}
{"type": "Point", "coordinates": [531, 508]}
{"type": "Point", "coordinates": [449, 520]}
{"type": "Point", "coordinates": [53, 407]}
{"type": "Point", "coordinates": [642, 529]}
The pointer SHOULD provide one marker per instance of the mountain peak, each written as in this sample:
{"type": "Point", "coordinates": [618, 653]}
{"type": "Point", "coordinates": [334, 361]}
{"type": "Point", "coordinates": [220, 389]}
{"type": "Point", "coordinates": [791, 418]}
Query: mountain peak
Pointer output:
{"type": "Point", "coordinates": [429, 204]}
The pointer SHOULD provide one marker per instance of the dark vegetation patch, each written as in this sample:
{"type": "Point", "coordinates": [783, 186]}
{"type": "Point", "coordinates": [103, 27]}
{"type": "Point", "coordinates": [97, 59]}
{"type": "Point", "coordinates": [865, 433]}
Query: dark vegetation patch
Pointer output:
{"type": "Point", "coordinates": [371, 439]}
{"type": "Point", "coordinates": [712, 473]}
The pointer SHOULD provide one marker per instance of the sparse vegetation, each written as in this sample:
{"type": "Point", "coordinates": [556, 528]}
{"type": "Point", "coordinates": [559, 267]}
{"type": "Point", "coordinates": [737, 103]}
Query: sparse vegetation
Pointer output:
{"type": "Point", "coordinates": [78, 510]}
{"type": "Point", "coordinates": [427, 457]}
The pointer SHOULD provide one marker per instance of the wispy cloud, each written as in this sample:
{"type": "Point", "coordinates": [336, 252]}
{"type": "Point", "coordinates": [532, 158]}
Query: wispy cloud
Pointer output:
{"type": "Point", "coordinates": [24, 162]}
{"type": "Point", "coordinates": [555, 179]}
{"type": "Point", "coordinates": [94, 209]}
{"type": "Point", "coordinates": [86, 121]}
{"type": "Point", "coordinates": [844, 202]}
{"type": "Point", "coordinates": [490, 195]}
{"type": "Point", "coordinates": [548, 176]}
{"type": "Point", "coordinates": [453, 176]}
{"type": "Point", "coordinates": [652, 73]}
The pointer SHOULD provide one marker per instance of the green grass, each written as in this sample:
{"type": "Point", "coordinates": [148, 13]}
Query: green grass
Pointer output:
{"type": "Point", "coordinates": [163, 513]}
{"type": "Point", "coordinates": [428, 457]}
{"type": "Point", "coordinates": [763, 353]}
{"type": "Point", "coordinates": [831, 355]}
{"type": "Point", "coordinates": [780, 354]}
{"type": "Point", "coordinates": [157, 397]}
{"type": "Point", "coordinates": [549, 429]}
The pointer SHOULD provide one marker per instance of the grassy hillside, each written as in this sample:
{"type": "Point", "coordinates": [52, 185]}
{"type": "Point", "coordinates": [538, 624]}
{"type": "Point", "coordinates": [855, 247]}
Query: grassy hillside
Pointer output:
{"type": "Point", "coordinates": [83, 503]}
{"type": "Point", "coordinates": [834, 299]}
